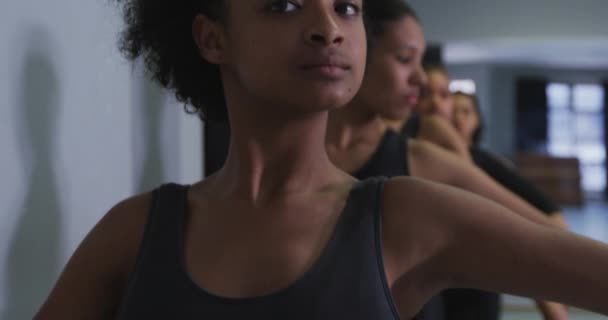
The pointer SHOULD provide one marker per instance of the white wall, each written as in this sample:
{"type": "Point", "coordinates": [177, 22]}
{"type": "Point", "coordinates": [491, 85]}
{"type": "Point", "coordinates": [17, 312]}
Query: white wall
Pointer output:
{"type": "Point", "coordinates": [75, 138]}
{"type": "Point", "coordinates": [480, 19]}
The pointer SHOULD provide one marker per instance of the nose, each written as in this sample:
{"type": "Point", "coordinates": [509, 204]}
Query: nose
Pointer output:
{"type": "Point", "coordinates": [324, 31]}
{"type": "Point", "coordinates": [419, 77]}
{"type": "Point", "coordinates": [435, 103]}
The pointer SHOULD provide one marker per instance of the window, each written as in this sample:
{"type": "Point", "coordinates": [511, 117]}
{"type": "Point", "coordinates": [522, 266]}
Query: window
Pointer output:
{"type": "Point", "coordinates": [576, 129]}
{"type": "Point", "coordinates": [463, 85]}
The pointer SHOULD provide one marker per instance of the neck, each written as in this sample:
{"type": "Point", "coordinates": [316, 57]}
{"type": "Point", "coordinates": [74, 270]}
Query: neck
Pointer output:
{"type": "Point", "coordinates": [468, 140]}
{"type": "Point", "coordinates": [271, 156]}
{"type": "Point", "coordinates": [352, 124]}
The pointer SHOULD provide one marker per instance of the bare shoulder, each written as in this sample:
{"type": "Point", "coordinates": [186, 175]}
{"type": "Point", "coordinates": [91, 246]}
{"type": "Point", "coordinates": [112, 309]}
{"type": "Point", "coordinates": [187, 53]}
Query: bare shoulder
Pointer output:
{"type": "Point", "coordinates": [126, 219]}
{"type": "Point", "coordinates": [424, 150]}
{"type": "Point", "coordinates": [422, 218]}
{"type": "Point", "coordinates": [429, 161]}
{"type": "Point", "coordinates": [439, 131]}
{"type": "Point", "coordinates": [412, 225]}
{"type": "Point", "coordinates": [437, 123]}
{"type": "Point", "coordinates": [92, 283]}
{"type": "Point", "coordinates": [415, 202]}
{"type": "Point", "coordinates": [119, 233]}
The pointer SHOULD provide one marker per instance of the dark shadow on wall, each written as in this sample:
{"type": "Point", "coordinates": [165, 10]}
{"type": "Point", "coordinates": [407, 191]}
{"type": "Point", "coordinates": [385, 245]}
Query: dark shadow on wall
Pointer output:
{"type": "Point", "coordinates": [148, 121]}
{"type": "Point", "coordinates": [34, 258]}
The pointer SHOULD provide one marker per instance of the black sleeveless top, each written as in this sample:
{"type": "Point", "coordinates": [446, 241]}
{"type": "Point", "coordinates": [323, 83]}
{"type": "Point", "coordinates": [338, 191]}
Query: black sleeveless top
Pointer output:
{"type": "Point", "coordinates": [512, 180]}
{"type": "Point", "coordinates": [390, 160]}
{"type": "Point", "coordinates": [346, 282]}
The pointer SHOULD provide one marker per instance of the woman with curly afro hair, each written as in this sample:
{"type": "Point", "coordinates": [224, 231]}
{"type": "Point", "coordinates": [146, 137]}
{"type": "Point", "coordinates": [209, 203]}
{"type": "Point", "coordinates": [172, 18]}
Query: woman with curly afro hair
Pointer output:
{"type": "Point", "coordinates": [280, 232]}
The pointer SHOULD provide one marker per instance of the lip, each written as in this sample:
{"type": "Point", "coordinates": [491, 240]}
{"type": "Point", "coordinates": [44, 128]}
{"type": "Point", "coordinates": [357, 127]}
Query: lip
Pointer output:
{"type": "Point", "coordinates": [412, 99]}
{"type": "Point", "coordinates": [330, 67]}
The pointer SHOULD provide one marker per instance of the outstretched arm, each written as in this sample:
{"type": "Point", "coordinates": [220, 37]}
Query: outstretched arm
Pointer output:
{"type": "Point", "coordinates": [552, 310]}
{"type": "Point", "coordinates": [430, 162]}
{"type": "Point", "coordinates": [446, 237]}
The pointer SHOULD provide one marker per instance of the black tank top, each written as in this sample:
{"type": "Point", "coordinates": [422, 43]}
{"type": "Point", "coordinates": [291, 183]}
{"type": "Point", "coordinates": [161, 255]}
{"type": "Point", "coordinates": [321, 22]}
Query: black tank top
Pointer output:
{"type": "Point", "coordinates": [512, 180]}
{"type": "Point", "coordinates": [390, 160]}
{"type": "Point", "coordinates": [346, 282]}
{"type": "Point", "coordinates": [412, 126]}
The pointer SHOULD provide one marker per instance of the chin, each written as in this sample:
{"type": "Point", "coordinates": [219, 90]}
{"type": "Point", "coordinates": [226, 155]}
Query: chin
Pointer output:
{"type": "Point", "coordinates": [332, 99]}
{"type": "Point", "coordinates": [399, 113]}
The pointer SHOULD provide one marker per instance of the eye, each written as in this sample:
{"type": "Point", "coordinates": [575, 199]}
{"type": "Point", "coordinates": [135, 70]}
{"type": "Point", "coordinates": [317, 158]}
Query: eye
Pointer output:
{"type": "Point", "coordinates": [348, 9]}
{"type": "Point", "coordinates": [404, 60]}
{"type": "Point", "coordinates": [282, 6]}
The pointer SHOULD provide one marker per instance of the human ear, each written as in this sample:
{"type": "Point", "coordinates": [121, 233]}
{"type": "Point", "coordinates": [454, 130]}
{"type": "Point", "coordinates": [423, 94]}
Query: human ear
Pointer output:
{"type": "Point", "coordinates": [209, 37]}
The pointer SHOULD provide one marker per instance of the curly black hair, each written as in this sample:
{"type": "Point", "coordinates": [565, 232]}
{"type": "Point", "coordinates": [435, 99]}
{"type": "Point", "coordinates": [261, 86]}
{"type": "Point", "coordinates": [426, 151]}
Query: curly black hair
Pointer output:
{"type": "Point", "coordinates": [160, 32]}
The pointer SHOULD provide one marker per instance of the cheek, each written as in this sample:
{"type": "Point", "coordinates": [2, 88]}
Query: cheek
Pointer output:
{"type": "Point", "coordinates": [474, 123]}
{"type": "Point", "coordinates": [448, 107]}
{"type": "Point", "coordinates": [251, 57]}
{"type": "Point", "coordinates": [358, 52]}
{"type": "Point", "coordinates": [466, 123]}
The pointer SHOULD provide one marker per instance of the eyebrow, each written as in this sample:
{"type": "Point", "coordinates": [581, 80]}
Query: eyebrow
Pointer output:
{"type": "Point", "coordinates": [409, 46]}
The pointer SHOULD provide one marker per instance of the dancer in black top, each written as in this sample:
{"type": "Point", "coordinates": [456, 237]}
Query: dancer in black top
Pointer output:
{"type": "Point", "coordinates": [467, 120]}
{"type": "Point", "coordinates": [359, 142]}
{"type": "Point", "coordinates": [438, 105]}
{"type": "Point", "coordinates": [390, 160]}
{"type": "Point", "coordinates": [266, 228]}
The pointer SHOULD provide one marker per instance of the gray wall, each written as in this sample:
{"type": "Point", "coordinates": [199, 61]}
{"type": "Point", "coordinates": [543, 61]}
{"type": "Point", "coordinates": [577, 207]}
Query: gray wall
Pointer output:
{"type": "Point", "coordinates": [80, 130]}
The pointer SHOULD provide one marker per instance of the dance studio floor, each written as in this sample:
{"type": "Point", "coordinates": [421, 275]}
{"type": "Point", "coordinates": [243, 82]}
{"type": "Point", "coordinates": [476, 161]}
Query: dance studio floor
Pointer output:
{"type": "Point", "coordinates": [590, 220]}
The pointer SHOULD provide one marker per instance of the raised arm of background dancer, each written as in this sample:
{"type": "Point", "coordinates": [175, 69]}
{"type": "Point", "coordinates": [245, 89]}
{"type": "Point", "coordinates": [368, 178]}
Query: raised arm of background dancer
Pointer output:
{"type": "Point", "coordinates": [440, 132]}
{"type": "Point", "coordinates": [430, 162]}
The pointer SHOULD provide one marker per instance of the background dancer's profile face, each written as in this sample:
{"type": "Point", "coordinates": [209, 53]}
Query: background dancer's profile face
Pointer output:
{"type": "Point", "coordinates": [467, 118]}
{"type": "Point", "coordinates": [394, 73]}
{"type": "Point", "coordinates": [436, 98]}
{"type": "Point", "coordinates": [293, 56]}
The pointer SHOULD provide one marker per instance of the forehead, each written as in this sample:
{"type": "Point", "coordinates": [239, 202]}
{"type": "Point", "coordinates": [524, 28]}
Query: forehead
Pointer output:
{"type": "Point", "coordinates": [437, 77]}
{"type": "Point", "coordinates": [463, 101]}
{"type": "Point", "coordinates": [405, 33]}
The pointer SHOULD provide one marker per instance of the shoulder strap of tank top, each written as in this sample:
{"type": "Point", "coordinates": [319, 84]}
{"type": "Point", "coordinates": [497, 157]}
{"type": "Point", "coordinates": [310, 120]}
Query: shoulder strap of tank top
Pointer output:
{"type": "Point", "coordinates": [397, 145]}
{"type": "Point", "coordinates": [159, 248]}
{"type": "Point", "coordinates": [376, 198]}
{"type": "Point", "coordinates": [406, 155]}
{"type": "Point", "coordinates": [163, 234]}
{"type": "Point", "coordinates": [412, 126]}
